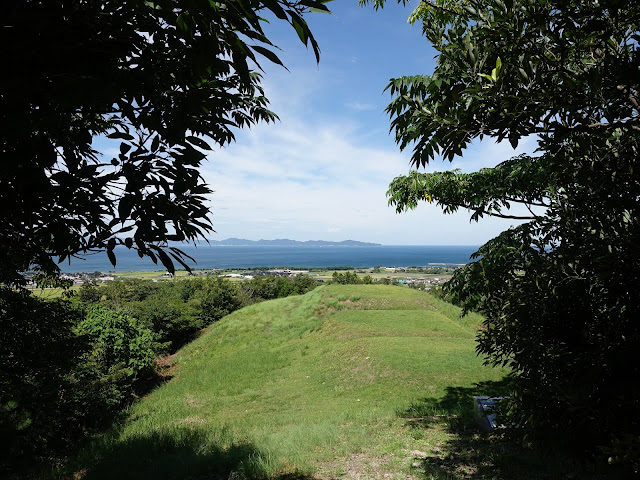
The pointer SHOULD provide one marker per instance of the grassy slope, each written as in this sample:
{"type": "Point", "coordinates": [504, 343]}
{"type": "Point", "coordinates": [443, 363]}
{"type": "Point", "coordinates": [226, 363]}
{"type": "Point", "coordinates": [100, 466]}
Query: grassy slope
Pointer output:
{"type": "Point", "coordinates": [340, 381]}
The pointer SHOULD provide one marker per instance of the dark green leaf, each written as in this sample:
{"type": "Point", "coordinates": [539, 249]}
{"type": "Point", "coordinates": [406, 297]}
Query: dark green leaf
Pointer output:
{"type": "Point", "coordinates": [198, 142]}
{"type": "Point", "coordinates": [268, 54]}
{"type": "Point", "coordinates": [120, 135]}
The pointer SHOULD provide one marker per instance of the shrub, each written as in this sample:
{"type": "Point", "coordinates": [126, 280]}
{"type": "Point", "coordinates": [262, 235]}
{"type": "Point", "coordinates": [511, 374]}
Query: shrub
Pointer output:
{"type": "Point", "coordinates": [346, 278]}
{"type": "Point", "coordinates": [173, 322]}
{"type": "Point", "coordinates": [62, 375]}
{"type": "Point", "coordinates": [39, 351]}
{"type": "Point", "coordinates": [89, 293]}
{"type": "Point", "coordinates": [119, 343]}
{"type": "Point", "coordinates": [121, 292]}
{"type": "Point", "coordinates": [217, 298]}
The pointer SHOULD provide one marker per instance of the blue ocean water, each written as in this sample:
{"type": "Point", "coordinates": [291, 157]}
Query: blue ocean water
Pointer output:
{"type": "Point", "coordinates": [208, 257]}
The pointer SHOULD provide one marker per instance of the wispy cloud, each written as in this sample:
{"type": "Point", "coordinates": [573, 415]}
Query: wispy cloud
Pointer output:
{"type": "Point", "coordinates": [322, 171]}
{"type": "Point", "coordinates": [307, 181]}
{"type": "Point", "coordinates": [360, 107]}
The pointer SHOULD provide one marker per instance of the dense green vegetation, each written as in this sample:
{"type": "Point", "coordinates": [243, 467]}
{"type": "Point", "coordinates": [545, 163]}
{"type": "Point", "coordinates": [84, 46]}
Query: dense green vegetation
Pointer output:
{"type": "Point", "coordinates": [350, 278]}
{"type": "Point", "coordinates": [560, 292]}
{"type": "Point", "coordinates": [343, 380]}
{"type": "Point", "coordinates": [153, 76]}
{"type": "Point", "coordinates": [70, 365]}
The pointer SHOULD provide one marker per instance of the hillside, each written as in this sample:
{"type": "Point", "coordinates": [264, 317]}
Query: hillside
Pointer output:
{"type": "Point", "coordinates": [346, 381]}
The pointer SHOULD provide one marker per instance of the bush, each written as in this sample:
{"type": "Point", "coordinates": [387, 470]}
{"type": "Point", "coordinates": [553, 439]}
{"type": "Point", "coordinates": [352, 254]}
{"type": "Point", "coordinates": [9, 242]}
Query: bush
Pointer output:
{"type": "Point", "coordinates": [39, 352]}
{"type": "Point", "coordinates": [121, 292]}
{"type": "Point", "coordinates": [62, 375]}
{"type": "Point", "coordinates": [346, 278]}
{"type": "Point", "coordinates": [216, 298]}
{"type": "Point", "coordinates": [173, 322]}
{"type": "Point", "coordinates": [270, 287]}
{"type": "Point", "coordinates": [89, 293]}
{"type": "Point", "coordinates": [120, 345]}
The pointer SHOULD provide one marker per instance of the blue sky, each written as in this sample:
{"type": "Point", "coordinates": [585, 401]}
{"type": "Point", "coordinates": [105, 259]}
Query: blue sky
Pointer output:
{"type": "Point", "coordinates": [322, 171]}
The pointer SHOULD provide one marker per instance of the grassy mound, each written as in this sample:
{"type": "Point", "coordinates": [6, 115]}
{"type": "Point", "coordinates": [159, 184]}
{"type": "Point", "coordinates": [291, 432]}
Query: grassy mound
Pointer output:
{"type": "Point", "coordinates": [338, 382]}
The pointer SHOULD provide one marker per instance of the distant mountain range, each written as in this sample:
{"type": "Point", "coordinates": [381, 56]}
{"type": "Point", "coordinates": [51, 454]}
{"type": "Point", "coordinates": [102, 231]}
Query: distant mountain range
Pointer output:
{"type": "Point", "coordinates": [285, 242]}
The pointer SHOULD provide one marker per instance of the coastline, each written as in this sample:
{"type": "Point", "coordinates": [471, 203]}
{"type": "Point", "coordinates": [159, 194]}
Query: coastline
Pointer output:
{"type": "Point", "coordinates": [263, 256]}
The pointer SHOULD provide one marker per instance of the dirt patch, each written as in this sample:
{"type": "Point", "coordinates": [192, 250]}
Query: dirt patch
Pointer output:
{"type": "Point", "coordinates": [192, 401]}
{"type": "Point", "coordinates": [363, 466]}
{"type": "Point", "coordinates": [193, 420]}
{"type": "Point", "coordinates": [80, 474]}
{"type": "Point", "coordinates": [166, 365]}
{"type": "Point", "coordinates": [453, 466]}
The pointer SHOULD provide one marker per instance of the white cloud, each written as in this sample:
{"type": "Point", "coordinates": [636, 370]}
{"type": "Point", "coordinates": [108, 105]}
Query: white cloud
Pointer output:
{"type": "Point", "coordinates": [488, 153]}
{"type": "Point", "coordinates": [322, 171]}
{"type": "Point", "coordinates": [305, 181]}
{"type": "Point", "coordinates": [360, 107]}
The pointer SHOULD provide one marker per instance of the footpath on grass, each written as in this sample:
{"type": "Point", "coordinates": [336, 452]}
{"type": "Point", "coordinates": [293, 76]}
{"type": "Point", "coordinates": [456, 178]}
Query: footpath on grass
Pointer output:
{"type": "Point", "coordinates": [347, 381]}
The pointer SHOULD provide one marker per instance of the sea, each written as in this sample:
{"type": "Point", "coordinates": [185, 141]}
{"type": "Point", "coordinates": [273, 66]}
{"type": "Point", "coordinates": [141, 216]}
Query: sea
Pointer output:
{"type": "Point", "coordinates": [245, 257]}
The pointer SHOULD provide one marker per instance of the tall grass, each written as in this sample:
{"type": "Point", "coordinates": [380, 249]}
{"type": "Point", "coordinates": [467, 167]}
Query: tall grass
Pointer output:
{"type": "Point", "coordinates": [300, 387]}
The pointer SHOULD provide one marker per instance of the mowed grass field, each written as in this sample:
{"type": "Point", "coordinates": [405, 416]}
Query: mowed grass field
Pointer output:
{"type": "Point", "coordinates": [353, 381]}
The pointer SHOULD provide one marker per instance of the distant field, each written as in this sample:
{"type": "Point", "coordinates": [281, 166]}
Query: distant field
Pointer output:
{"type": "Point", "coordinates": [49, 293]}
{"type": "Point", "coordinates": [356, 382]}
{"type": "Point", "coordinates": [324, 275]}
{"type": "Point", "coordinates": [320, 274]}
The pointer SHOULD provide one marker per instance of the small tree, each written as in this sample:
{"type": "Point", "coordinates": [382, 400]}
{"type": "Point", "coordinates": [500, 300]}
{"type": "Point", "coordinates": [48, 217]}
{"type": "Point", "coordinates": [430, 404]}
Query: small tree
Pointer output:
{"type": "Point", "coordinates": [38, 358]}
{"type": "Point", "coordinates": [560, 292]}
{"type": "Point", "coordinates": [89, 292]}
{"type": "Point", "coordinates": [121, 346]}
{"type": "Point", "coordinates": [218, 297]}
{"type": "Point", "coordinates": [62, 375]}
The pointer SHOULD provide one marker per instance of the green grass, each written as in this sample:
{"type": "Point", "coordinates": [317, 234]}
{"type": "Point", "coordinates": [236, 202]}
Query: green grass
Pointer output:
{"type": "Point", "coordinates": [50, 293]}
{"type": "Point", "coordinates": [346, 381]}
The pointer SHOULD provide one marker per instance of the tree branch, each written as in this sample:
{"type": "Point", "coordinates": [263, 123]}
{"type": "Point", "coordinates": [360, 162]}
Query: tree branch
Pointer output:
{"type": "Point", "coordinates": [531, 211]}
{"type": "Point", "coordinates": [499, 215]}
{"type": "Point", "coordinates": [524, 202]}
{"type": "Point", "coordinates": [440, 7]}
{"type": "Point", "coordinates": [630, 96]}
{"type": "Point", "coordinates": [509, 217]}
{"type": "Point", "coordinates": [614, 125]}
{"type": "Point", "coordinates": [585, 127]}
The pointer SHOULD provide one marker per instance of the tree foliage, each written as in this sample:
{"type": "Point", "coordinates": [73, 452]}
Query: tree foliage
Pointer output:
{"type": "Point", "coordinates": [155, 76]}
{"type": "Point", "coordinates": [119, 342]}
{"type": "Point", "coordinates": [176, 311]}
{"type": "Point", "coordinates": [561, 291]}
{"type": "Point", "coordinates": [63, 375]}
{"type": "Point", "coordinates": [70, 366]}
{"type": "Point", "coordinates": [346, 278]}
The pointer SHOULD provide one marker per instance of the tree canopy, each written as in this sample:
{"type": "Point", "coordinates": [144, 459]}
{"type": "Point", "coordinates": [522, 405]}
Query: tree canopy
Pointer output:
{"type": "Point", "coordinates": [561, 291]}
{"type": "Point", "coordinates": [157, 76]}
